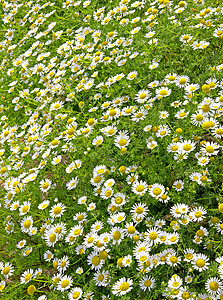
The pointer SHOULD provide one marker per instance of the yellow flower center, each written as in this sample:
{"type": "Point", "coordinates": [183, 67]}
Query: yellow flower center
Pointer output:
{"type": "Point", "coordinates": [6, 270]}
{"type": "Point", "coordinates": [157, 191]}
{"type": "Point", "coordinates": [124, 286]}
{"type": "Point", "coordinates": [174, 148]}
{"type": "Point", "coordinates": [200, 263]}
{"type": "Point", "coordinates": [199, 117]}
{"type": "Point", "coordinates": [182, 114]}
{"type": "Point", "coordinates": [45, 185]}
{"type": "Point", "coordinates": [214, 286]}
{"type": "Point", "coordinates": [152, 236]}
{"type": "Point", "coordinates": [116, 235]}
{"type": "Point", "coordinates": [209, 149]}
{"type": "Point", "coordinates": [189, 256]}
{"type": "Point", "coordinates": [39, 69]}
{"type": "Point", "coordinates": [173, 259]}
{"type": "Point", "coordinates": [27, 224]}
{"type": "Point", "coordinates": [140, 188]}
{"type": "Point", "coordinates": [147, 283]}
{"type": "Point", "coordinates": [163, 92]}
{"type": "Point", "coordinates": [185, 295]}
{"type": "Point", "coordinates": [25, 208]}
{"type": "Point", "coordinates": [131, 229]}
{"type": "Point", "coordinates": [90, 240]}
{"type": "Point", "coordinates": [112, 131]}
{"type": "Point", "coordinates": [139, 210]}
{"type": "Point", "coordinates": [206, 108]}
{"type": "Point", "coordinates": [52, 238]}
{"type": "Point", "coordinates": [27, 277]}
{"type": "Point", "coordinates": [182, 81]}
{"type": "Point", "coordinates": [75, 295]}
{"type": "Point", "coordinates": [57, 210]}
{"type": "Point", "coordinates": [198, 214]}
{"type": "Point", "coordinates": [142, 96]}
{"type": "Point", "coordinates": [122, 142]}
{"type": "Point", "coordinates": [112, 112]}
{"type": "Point", "coordinates": [31, 289]}
{"type": "Point", "coordinates": [219, 131]}
{"type": "Point", "coordinates": [64, 283]}
{"type": "Point", "coordinates": [56, 106]}
{"type": "Point", "coordinates": [95, 260]}
{"type": "Point", "coordinates": [108, 193]}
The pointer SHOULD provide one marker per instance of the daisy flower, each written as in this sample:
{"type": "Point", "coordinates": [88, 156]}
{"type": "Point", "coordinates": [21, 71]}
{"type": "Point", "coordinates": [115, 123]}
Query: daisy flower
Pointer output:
{"type": "Point", "coordinates": [50, 237]}
{"type": "Point", "coordinates": [142, 96]}
{"type": "Point", "coordinates": [56, 160]}
{"type": "Point", "coordinates": [130, 230]}
{"type": "Point", "coordinates": [95, 261]}
{"type": "Point", "coordinates": [122, 286]}
{"type": "Point", "coordinates": [173, 260]}
{"type": "Point", "coordinates": [56, 105]}
{"type": "Point", "coordinates": [162, 92]}
{"type": "Point", "coordinates": [57, 210]}
{"type": "Point", "coordinates": [44, 204]}
{"type": "Point", "coordinates": [117, 235]}
{"type": "Point", "coordinates": [72, 183]}
{"type": "Point", "coordinates": [156, 190]}
{"type": "Point", "coordinates": [181, 114]}
{"type": "Point", "coordinates": [139, 115]}
{"type": "Point", "coordinates": [147, 283]}
{"type": "Point", "coordinates": [200, 262]}
{"type": "Point", "coordinates": [98, 140]}
{"type": "Point", "coordinates": [21, 244]}
{"type": "Point", "coordinates": [210, 148]}
{"type": "Point", "coordinates": [178, 185]}
{"type": "Point", "coordinates": [7, 270]}
{"type": "Point", "coordinates": [101, 278]}
{"type": "Point", "coordinates": [132, 75]}
{"type": "Point", "coordinates": [45, 185]}
{"type": "Point", "coordinates": [63, 264]}
{"type": "Point", "coordinates": [26, 276]}
{"type": "Point", "coordinates": [182, 81]}
{"type": "Point", "coordinates": [198, 214]}
{"type": "Point", "coordinates": [214, 286]}
{"type": "Point", "coordinates": [75, 293]}
{"type": "Point", "coordinates": [24, 208]}
{"type": "Point", "coordinates": [139, 187]}
{"type": "Point", "coordinates": [65, 283]}
{"type": "Point", "coordinates": [122, 140]}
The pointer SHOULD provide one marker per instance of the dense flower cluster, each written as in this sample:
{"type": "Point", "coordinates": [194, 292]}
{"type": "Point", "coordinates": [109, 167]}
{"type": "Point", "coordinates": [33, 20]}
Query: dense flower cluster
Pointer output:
{"type": "Point", "coordinates": [111, 150]}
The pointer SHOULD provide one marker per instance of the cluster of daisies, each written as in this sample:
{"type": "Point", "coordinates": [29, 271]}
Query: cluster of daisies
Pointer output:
{"type": "Point", "coordinates": [111, 150]}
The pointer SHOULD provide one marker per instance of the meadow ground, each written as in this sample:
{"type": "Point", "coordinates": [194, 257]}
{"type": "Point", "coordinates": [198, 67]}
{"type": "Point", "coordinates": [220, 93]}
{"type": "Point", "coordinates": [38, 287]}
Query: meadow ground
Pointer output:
{"type": "Point", "coordinates": [111, 169]}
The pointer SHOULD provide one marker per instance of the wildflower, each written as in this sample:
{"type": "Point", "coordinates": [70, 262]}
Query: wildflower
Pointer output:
{"type": "Point", "coordinates": [147, 283]}
{"type": "Point", "coordinates": [7, 270]}
{"type": "Point", "coordinates": [45, 185]}
{"type": "Point", "coordinates": [117, 235]}
{"type": "Point", "coordinates": [132, 75]}
{"type": "Point", "coordinates": [210, 148]}
{"type": "Point", "coordinates": [122, 286]}
{"type": "Point", "coordinates": [75, 293]}
{"type": "Point", "coordinates": [95, 261]}
{"type": "Point", "coordinates": [26, 276]}
{"type": "Point", "coordinates": [163, 92]}
{"type": "Point", "coordinates": [57, 210]}
{"type": "Point", "coordinates": [200, 262]}
{"type": "Point", "coordinates": [65, 283]}
{"type": "Point", "coordinates": [139, 187]}
{"type": "Point", "coordinates": [56, 105]}
{"type": "Point", "coordinates": [156, 190]}
{"type": "Point", "coordinates": [122, 140]}
{"type": "Point", "coordinates": [101, 278]}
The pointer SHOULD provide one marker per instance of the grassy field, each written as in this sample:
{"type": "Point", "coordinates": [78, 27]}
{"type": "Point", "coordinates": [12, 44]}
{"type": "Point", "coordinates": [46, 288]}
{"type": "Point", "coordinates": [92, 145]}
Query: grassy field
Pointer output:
{"type": "Point", "coordinates": [111, 135]}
